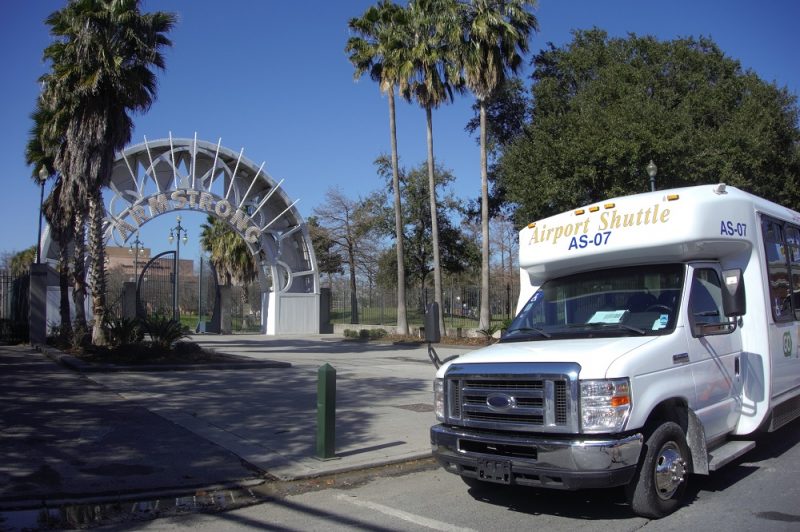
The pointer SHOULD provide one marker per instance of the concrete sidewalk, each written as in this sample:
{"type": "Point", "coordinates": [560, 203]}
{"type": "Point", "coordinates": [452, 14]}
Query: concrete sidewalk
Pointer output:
{"type": "Point", "coordinates": [67, 434]}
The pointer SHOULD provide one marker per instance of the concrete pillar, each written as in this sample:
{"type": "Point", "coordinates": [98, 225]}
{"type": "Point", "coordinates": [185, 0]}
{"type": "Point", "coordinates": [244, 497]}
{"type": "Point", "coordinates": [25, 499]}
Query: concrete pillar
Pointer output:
{"type": "Point", "coordinates": [325, 325]}
{"type": "Point", "coordinates": [225, 309]}
{"type": "Point", "coordinates": [37, 319]}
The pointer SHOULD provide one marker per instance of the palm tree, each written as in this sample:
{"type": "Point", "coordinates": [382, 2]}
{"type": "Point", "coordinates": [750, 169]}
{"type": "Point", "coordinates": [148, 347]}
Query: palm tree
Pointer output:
{"type": "Point", "coordinates": [435, 36]}
{"type": "Point", "coordinates": [20, 263]}
{"type": "Point", "coordinates": [57, 209]}
{"type": "Point", "coordinates": [495, 39]}
{"type": "Point", "coordinates": [380, 50]}
{"type": "Point", "coordinates": [101, 70]}
{"type": "Point", "coordinates": [45, 139]}
{"type": "Point", "coordinates": [229, 253]}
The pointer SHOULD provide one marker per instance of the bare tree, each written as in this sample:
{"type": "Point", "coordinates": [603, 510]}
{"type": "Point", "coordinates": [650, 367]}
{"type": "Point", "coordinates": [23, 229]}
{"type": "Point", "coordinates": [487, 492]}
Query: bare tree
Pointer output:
{"type": "Point", "coordinates": [353, 227]}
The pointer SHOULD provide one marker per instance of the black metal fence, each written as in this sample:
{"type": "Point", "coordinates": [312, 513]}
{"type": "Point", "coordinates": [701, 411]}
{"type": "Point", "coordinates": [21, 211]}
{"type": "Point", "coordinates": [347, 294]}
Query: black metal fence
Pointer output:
{"type": "Point", "coordinates": [245, 309]}
{"type": "Point", "coordinates": [14, 307]}
{"type": "Point", "coordinates": [461, 305]}
{"type": "Point", "coordinates": [197, 296]}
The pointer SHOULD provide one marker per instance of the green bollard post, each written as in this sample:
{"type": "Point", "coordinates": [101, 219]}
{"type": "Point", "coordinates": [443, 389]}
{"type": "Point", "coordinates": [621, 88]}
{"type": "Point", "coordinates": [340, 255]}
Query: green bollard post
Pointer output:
{"type": "Point", "coordinates": [326, 412]}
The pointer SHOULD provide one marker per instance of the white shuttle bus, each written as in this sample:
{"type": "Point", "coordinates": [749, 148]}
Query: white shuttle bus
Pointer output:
{"type": "Point", "coordinates": [655, 335]}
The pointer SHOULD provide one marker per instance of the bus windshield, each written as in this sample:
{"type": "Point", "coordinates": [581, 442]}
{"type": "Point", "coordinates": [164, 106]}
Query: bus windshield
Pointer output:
{"type": "Point", "coordinates": [629, 301]}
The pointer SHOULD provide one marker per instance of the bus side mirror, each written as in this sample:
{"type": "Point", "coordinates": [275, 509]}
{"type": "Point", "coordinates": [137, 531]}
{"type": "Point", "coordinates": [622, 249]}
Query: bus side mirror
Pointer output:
{"type": "Point", "coordinates": [432, 333]}
{"type": "Point", "coordinates": [733, 298]}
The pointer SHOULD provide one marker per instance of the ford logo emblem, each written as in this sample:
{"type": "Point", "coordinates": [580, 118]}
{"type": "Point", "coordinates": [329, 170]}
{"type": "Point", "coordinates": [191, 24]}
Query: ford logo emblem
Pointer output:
{"type": "Point", "coordinates": [500, 402]}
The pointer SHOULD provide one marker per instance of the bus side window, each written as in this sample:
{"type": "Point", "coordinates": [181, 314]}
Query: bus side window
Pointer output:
{"type": "Point", "coordinates": [793, 247]}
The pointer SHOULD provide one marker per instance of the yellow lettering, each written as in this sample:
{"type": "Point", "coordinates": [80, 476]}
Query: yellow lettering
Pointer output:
{"type": "Point", "coordinates": [604, 223]}
{"type": "Point", "coordinates": [628, 220]}
{"type": "Point", "coordinates": [534, 236]}
{"type": "Point", "coordinates": [647, 216]}
{"type": "Point", "coordinates": [559, 232]}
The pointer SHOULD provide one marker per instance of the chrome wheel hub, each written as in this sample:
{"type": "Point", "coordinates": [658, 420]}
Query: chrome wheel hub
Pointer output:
{"type": "Point", "coordinates": [670, 470]}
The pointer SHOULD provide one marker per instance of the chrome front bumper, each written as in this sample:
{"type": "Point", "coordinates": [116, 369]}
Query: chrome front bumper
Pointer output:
{"type": "Point", "coordinates": [538, 461]}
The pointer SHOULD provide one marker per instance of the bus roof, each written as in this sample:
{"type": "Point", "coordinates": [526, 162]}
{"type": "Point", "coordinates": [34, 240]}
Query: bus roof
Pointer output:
{"type": "Point", "coordinates": [691, 223]}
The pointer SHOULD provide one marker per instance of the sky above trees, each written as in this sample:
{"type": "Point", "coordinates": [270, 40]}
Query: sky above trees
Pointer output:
{"type": "Point", "coordinates": [273, 78]}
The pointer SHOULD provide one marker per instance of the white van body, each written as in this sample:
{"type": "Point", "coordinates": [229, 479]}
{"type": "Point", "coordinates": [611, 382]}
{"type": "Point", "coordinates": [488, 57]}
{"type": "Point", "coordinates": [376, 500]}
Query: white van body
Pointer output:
{"type": "Point", "coordinates": [629, 362]}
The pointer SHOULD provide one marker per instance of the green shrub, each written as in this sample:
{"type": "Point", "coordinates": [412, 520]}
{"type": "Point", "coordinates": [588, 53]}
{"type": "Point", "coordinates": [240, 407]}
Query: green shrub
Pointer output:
{"type": "Point", "coordinates": [365, 334]}
{"type": "Point", "coordinates": [376, 334]}
{"type": "Point", "coordinates": [124, 331]}
{"type": "Point", "coordinates": [187, 348]}
{"type": "Point", "coordinates": [163, 331]}
{"type": "Point", "coordinates": [488, 332]}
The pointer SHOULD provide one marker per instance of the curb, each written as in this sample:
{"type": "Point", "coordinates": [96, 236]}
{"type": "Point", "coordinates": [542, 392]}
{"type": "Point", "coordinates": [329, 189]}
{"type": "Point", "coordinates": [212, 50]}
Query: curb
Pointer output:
{"type": "Point", "coordinates": [11, 504]}
{"type": "Point", "coordinates": [75, 364]}
{"type": "Point", "coordinates": [418, 456]}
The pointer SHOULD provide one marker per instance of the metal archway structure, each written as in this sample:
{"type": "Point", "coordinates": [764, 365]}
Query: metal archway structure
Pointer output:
{"type": "Point", "coordinates": [166, 175]}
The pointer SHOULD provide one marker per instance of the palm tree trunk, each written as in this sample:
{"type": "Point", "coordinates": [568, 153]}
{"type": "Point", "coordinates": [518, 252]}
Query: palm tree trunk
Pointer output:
{"type": "Point", "coordinates": [98, 277]}
{"type": "Point", "coordinates": [63, 285]}
{"type": "Point", "coordinates": [402, 320]}
{"type": "Point", "coordinates": [485, 316]}
{"type": "Point", "coordinates": [437, 269]}
{"type": "Point", "coordinates": [79, 272]}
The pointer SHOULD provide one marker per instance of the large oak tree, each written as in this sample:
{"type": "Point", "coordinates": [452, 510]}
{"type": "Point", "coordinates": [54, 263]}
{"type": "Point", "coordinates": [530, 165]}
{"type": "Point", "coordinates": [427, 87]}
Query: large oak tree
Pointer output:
{"type": "Point", "coordinates": [603, 107]}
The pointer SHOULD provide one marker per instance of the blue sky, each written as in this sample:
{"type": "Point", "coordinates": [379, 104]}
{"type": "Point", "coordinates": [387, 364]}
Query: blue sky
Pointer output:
{"type": "Point", "coordinates": [272, 77]}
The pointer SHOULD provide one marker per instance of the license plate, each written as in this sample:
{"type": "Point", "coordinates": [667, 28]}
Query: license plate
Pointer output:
{"type": "Point", "coordinates": [498, 471]}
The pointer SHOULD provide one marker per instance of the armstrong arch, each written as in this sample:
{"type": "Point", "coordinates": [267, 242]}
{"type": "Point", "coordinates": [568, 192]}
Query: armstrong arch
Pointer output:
{"type": "Point", "coordinates": [174, 175]}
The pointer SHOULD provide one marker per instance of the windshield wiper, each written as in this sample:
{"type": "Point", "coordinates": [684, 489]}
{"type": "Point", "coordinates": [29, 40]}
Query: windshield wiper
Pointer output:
{"type": "Point", "coordinates": [529, 330]}
{"type": "Point", "coordinates": [620, 326]}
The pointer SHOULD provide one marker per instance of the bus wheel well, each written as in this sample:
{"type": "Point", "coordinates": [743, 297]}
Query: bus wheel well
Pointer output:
{"type": "Point", "coordinates": [677, 410]}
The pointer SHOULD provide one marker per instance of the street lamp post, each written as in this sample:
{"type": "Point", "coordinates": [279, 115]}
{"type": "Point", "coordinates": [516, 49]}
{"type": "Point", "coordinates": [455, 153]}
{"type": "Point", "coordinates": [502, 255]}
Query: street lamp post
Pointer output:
{"type": "Point", "coordinates": [136, 247]}
{"type": "Point", "coordinates": [175, 233]}
{"type": "Point", "coordinates": [652, 169]}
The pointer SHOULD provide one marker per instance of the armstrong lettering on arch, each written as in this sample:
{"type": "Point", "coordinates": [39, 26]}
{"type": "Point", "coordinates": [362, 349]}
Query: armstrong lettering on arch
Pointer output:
{"type": "Point", "coordinates": [151, 206]}
{"type": "Point", "coordinates": [166, 175]}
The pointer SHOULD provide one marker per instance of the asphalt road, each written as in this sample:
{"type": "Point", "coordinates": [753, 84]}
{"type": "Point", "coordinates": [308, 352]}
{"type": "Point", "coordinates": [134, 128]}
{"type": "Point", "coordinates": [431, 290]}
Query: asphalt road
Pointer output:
{"type": "Point", "coordinates": [758, 492]}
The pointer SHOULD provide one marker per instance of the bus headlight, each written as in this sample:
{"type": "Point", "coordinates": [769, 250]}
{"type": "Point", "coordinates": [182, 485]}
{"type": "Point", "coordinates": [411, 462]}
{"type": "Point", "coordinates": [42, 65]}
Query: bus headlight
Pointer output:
{"type": "Point", "coordinates": [605, 405]}
{"type": "Point", "coordinates": [438, 398]}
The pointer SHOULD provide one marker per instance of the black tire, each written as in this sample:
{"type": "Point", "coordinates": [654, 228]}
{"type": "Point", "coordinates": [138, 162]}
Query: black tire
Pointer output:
{"type": "Point", "coordinates": [660, 482]}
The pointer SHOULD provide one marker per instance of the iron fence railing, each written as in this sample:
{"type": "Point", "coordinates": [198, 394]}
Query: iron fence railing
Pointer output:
{"type": "Point", "coordinates": [460, 305]}
{"type": "Point", "coordinates": [14, 305]}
